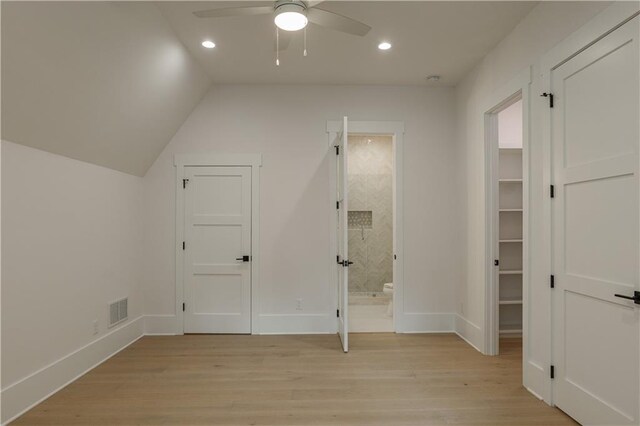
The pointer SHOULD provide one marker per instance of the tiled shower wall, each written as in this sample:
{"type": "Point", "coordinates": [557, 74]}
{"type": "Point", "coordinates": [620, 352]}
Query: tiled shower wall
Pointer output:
{"type": "Point", "coordinates": [370, 190]}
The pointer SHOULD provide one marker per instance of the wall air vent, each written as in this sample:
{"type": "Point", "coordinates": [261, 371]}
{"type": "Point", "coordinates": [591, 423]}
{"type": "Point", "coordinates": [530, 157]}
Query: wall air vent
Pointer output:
{"type": "Point", "coordinates": [118, 311]}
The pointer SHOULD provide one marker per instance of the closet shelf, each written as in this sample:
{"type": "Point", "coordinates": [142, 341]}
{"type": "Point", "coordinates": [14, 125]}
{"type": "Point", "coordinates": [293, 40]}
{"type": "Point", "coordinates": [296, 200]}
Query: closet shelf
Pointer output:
{"type": "Point", "coordinates": [510, 180]}
{"type": "Point", "coordinates": [509, 210]}
{"type": "Point", "coordinates": [510, 241]}
{"type": "Point", "coordinates": [510, 331]}
{"type": "Point", "coordinates": [511, 272]}
{"type": "Point", "coordinates": [510, 302]}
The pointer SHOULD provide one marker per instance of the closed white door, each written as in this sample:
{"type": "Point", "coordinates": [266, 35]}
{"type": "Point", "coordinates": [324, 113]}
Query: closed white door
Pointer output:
{"type": "Point", "coordinates": [343, 237]}
{"type": "Point", "coordinates": [596, 233]}
{"type": "Point", "coordinates": [217, 250]}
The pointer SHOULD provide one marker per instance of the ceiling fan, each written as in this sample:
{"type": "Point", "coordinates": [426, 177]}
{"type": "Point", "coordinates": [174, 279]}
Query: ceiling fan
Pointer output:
{"type": "Point", "coordinates": [291, 16]}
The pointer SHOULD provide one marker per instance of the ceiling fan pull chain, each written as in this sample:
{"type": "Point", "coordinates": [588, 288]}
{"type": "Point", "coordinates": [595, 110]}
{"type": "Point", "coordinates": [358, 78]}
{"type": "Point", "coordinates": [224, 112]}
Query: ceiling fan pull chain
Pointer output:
{"type": "Point", "coordinates": [277, 48]}
{"type": "Point", "coordinates": [305, 41]}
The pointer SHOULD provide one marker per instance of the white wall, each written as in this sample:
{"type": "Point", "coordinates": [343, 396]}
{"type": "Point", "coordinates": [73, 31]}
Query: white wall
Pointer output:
{"type": "Point", "coordinates": [543, 28]}
{"type": "Point", "coordinates": [287, 124]}
{"type": "Point", "coordinates": [510, 126]}
{"type": "Point", "coordinates": [71, 242]}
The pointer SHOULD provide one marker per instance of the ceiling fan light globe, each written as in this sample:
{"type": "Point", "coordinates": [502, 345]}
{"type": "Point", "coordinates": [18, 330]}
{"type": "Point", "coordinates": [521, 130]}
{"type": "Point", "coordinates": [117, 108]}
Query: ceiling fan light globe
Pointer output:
{"type": "Point", "coordinates": [291, 18]}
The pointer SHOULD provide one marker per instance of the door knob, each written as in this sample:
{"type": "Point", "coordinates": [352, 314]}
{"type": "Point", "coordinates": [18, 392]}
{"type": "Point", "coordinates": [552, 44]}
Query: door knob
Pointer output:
{"type": "Point", "coordinates": [244, 258]}
{"type": "Point", "coordinates": [635, 297]}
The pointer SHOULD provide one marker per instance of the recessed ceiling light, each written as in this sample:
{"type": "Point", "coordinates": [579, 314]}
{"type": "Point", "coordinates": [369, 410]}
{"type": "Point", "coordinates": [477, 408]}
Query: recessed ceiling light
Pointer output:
{"type": "Point", "coordinates": [433, 77]}
{"type": "Point", "coordinates": [291, 17]}
{"type": "Point", "coordinates": [208, 44]}
{"type": "Point", "coordinates": [384, 45]}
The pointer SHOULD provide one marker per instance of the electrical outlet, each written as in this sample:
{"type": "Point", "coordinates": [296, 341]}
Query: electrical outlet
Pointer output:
{"type": "Point", "coordinates": [298, 304]}
{"type": "Point", "coordinates": [95, 327]}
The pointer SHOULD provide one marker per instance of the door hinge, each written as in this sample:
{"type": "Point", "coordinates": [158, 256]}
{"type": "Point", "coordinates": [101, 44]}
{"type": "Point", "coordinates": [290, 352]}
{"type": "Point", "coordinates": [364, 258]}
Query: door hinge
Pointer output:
{"type": "Point", "coordinates": [552, 372]}
{"type": "Point", "coordinates": [184, 182]}
{"type": "Point", "coordinates": [395, 257]}
{"type": "Point", "coordinates": [184, 245]}
{"type": "Point", "coordinates": [337, 205]}
{"type": "Point", "coordinates": [552, 191]}
{"type": "Point", "coordinates": [496, 262]}
{"type": "Point", "coordinates": [337, 149]}
{"type": "Point", "coordinates": [552, 281]}
{"type": "Point", "coordinates": [337, 313]}
{"type": "Point", "coordinates": [184, 305]}
{"type": "Point", "coordinates": [550, 96]}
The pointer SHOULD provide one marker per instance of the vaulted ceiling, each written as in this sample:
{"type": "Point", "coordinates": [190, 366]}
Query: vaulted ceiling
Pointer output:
{"type": "Point", "coordinates": [111, 82]}
{"type": "Point", "coordinates": [104, 82]}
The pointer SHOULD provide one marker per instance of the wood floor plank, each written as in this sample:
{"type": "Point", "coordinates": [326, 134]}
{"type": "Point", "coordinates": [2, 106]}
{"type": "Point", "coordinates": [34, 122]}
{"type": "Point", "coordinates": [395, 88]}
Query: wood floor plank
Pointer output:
{"type": "Point", "coordinates": [386, 379]}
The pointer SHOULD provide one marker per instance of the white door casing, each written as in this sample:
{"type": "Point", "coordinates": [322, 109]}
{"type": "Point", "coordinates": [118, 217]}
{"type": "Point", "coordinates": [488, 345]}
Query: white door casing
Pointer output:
{"type": "Point", "coordinates": [596, 232]}
{"type": "Point", "coordinates": [217, 232]}
{"type": "Point", "coordinates": [342, 234]}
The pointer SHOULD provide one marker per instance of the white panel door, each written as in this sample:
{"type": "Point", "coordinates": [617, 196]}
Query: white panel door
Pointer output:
{"type": "Point", "coordinates": [217, 282]}
{"type": "Point", "coordinates": [343, 249]}
{"type": "Point", "coordinates": [596, 235]}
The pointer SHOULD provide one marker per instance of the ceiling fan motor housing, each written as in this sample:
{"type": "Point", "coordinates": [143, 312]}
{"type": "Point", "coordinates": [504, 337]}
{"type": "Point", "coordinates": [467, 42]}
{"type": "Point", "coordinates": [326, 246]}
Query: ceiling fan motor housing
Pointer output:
{"type": "Point", "coordinates": [291, 15]}
{"type": "Point", "coordinates": [294, 6]}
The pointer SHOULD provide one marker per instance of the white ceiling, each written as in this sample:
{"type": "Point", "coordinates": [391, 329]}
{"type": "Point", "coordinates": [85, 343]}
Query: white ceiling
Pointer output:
{"type": "Point", "coordinates": [446, 38]}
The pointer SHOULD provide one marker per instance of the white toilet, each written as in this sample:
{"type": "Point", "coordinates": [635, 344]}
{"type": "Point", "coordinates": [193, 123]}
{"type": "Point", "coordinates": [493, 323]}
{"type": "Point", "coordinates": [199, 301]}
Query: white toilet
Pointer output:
{"type": "Point", "coordinates": [388, 289]}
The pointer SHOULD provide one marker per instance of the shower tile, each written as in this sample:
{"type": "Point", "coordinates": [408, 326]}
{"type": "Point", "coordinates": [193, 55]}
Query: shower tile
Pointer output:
{"type": "Point", "coordinates": [359, 219]}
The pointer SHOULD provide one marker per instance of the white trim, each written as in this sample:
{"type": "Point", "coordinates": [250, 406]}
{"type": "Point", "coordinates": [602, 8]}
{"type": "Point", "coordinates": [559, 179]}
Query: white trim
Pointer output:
{"type": "Point", "coordinates": [427, 323]}
{"type": "Point", "coordinates": [468, 331]}
{"type": "Point", "coordinates": [160, 325]}
{"type": "Point", "coordinates": [517, 88]}
{"type": "Point", "coordinates": [607, 21]}
{"type": "Point", "coordinates": [396, 130]}
{"type": "Point", "coordinates": [19, 397]}
{"type": "Point", "coordinates": [253, 160]}
{"type": "Point", "coordinates": [604, 23]}
{"type": "Point", "coordinates": [297, 324]}
{"type": "Point", "coordinates": [214, 160]}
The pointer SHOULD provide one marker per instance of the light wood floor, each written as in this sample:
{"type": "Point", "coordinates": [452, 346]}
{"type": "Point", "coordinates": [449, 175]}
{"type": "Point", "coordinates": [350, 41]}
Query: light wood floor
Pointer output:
{"type": "Point", "coordinates": [386, 379]}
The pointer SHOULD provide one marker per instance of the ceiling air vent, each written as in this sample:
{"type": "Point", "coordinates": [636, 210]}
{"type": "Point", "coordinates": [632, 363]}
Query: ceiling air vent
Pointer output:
{"type": "Point", "coordinates": [118, 311]}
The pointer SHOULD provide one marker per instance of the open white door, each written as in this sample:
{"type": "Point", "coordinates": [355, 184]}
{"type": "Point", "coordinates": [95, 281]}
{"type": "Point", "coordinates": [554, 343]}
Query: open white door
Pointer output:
{"type": "Point", "coordinates": [595, 214]}
{"type": "Point", "coordinates": [343, 253]}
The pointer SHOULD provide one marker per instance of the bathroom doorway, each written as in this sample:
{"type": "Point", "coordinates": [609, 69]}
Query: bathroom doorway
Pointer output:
{"type": "Point", "coordinates": [376, 310]}
{"type": "Point", "coordinates": [370, 232]}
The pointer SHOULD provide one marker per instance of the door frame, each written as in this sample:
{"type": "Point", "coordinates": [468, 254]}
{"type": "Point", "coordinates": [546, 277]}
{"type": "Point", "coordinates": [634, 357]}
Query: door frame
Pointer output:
{"type": "Point", "coordinates": [516, 89]}
{"type": "Point", "coordinates": [492, 287]}
{"type": "Point", "coordinates": [254, 161]}
{"type": "Point", "coordinates": [395, 129]}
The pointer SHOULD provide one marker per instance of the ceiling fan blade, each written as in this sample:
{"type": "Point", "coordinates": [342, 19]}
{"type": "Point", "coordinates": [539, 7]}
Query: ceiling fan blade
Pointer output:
{"type": "Point", "coordinates": [314, 3]}
{"type": "Point", "coordinates": [234, 11]}
{"type": "Point", "coordinates": [337, 22]}
{"type": "Point", "coordinates": [285, 40]}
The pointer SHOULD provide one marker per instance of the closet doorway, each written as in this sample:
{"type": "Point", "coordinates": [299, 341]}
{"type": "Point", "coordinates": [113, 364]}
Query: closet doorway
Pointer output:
{"type": "Point", "coordinates": [508, 218]}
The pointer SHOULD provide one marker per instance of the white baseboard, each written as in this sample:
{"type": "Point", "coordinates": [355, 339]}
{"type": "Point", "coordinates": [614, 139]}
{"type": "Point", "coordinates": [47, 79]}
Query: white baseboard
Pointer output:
{"type": "Point", "coordinates": [297, 324]}
{"type": "Point", "coordinates": [24, 394]}
{"type": "Point", "coordinates": [537, 381]}
{"type": "Point", "coordinates": [427, 323]}
{"type": "Point", "coordinates": [469, 332]}
{"type": "Point", "coordinates": [160, 325]}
